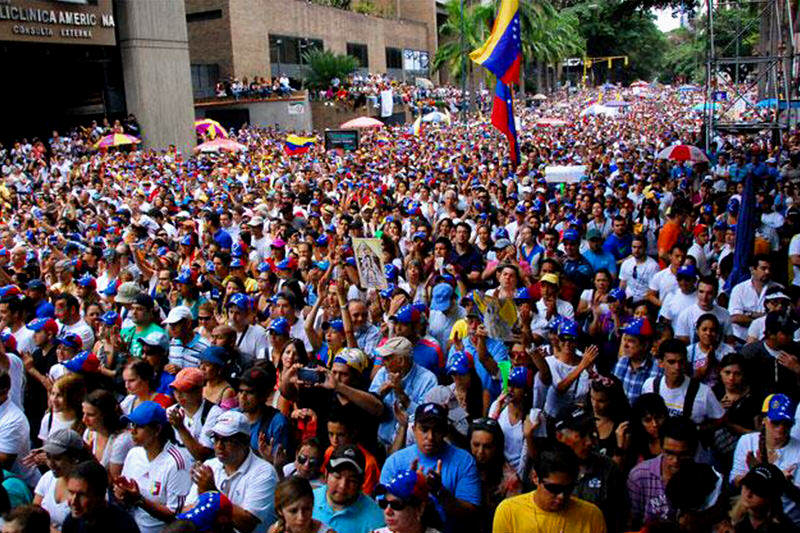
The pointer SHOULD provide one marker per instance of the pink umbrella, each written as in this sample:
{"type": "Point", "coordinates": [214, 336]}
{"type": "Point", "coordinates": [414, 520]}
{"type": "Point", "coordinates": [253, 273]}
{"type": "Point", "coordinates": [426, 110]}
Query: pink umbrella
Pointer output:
{"type": "Point", "coordinates": [640, 83]}
{"type": "Point", "coordinates": [550, 122]}
{"type": "Point", "coordinates": [362, 122]}
{"type": "Point", "coordinates": [683, 152]}
{"type": "Point", "coordinates": [220, 145]}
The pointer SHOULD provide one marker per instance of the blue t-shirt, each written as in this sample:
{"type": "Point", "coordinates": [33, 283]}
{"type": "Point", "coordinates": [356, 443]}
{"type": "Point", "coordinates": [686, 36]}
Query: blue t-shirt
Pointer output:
{"type": "Point", "coordinates": [459, 473]}
{"type": "Point", "coordinates": [164, 381]}
{"type": "Point", "coordinates": [619, 247]}
{"type": "Point", "coordinates": [601, 260]}
{"type": "Point", "coordinates": [361, 517]}
{"type": "Point", "coordinates": [277, 429]}
{"type": "Point", "coordinates": [498, 351]}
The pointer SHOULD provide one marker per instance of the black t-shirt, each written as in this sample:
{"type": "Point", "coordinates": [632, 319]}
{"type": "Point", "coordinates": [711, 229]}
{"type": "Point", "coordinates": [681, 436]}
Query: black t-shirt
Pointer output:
{"type": "Point", "coordinates": [111, 517]}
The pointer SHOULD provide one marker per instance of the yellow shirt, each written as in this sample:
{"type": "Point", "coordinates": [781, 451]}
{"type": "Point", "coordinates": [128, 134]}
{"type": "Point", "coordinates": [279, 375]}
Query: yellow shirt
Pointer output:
{"type": "Point", "coordinates": [518, 514]}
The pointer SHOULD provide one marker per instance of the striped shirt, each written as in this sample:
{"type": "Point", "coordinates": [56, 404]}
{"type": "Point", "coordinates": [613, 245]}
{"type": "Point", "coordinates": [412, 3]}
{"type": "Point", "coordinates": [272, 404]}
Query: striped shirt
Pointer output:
{"type": "Point", "coordinates": [186, 355]}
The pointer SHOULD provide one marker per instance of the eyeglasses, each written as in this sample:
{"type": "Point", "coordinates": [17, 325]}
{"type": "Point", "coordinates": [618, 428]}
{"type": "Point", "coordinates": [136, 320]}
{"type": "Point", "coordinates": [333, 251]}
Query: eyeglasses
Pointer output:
{"type": "Point", "coordinates": [396, 505]}
{"type": "Point", "coordinates": [556, 489]}
{"type": "Point", "coordinates": [303, 459]}
{"type": "Point", "coordinates": [203, 318]}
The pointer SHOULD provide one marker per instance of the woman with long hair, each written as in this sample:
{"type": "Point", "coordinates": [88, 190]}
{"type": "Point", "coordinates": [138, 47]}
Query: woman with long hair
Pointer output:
{"type": "Point", "coordinates": [740, 404]}
{"type": "Point", "coordinates": [703, 356]}
{"type": "Point", "coordinates": [294, 504]}
{"type": "Point", "coordinates": [65, 411]}
{"type": "Point", "coordinates": [105, 432]}
{"type": "Point", "coordinates": [64, 449]}
{"type": "Point", "coordinates": [510, 410]}
{"type": "Point", "coordinates": [498, 479]}
{"type": "Point", "coordinates": [207, 320]}
{"type": "Point", "coordinates": [139, 378]}
{"type": "Point", "coordinates": [293, 353]}
{"type": "Point", "coordinates": [611, 411]}
{"type": "Point", "coordinates": [214, 362]}
{"type": "Point", "coordinates": [648, 414]}
{"type": "Point", "coordinates": [466, 384]}
{"type": "Point", "coordinates": [155, 477]}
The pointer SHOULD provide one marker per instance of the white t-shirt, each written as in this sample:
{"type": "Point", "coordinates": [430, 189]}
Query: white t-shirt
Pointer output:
{"type": "Point", "coordinates": [15, 440]}
{"type": "Point", "coordinates": [252, 344]}
{"type": "Point", "coordinates": [700, 255]}
{"type": "Point", "coordinates": [687, 320]}
{"type": "Point", "coordinates": [756, 329]}
{"type": "Point", "coordinates": [663, 283]}
{"type": "Point", "coordinates": [554, 402]}
{"type": "Point", "coordinates": [787, 457]}
{"type": "Point", "coordinates": [46, 488]}
{"type": "Point", "coordinates": [24, 338]}
{"type": "Point", "coordinates": [165, 480]}
{"type": "Point", "coordinates": [513, 435]}
{"type": "Point", "coordinates": [16, 370]}
{"type": "Point", "coordinates": [675, 302]}
{"type": "Point", "coordinates": [195, 426]}
{"type": "Point", "coordinates": [637, 281]}
{"type": "Point", "coordinates": [706, 406]}
{"type": "Point", "coordinates": [46, 428]}
{"type": "Point", "coordinates": [117, 446]}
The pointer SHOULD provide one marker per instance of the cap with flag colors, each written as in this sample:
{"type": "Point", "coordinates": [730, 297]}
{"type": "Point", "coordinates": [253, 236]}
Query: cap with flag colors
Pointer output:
{"type": "Point", "coordinates": [501, 54]}
{"type": "Point", "coordinates": [298, 145]}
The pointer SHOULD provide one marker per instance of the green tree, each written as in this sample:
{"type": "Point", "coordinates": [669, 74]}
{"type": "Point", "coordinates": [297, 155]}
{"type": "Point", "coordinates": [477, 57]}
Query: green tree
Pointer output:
{"type": "Point", "coordinates": [323, 65]}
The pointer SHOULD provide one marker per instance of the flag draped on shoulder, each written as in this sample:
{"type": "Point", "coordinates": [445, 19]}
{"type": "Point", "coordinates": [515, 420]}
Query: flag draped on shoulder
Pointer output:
{"type": "Point", "coordinates": [298, 145]}
{"type": "Point", "coordinates": [501, 54]}
{"type": "Point", "coordinates": [503, 119]}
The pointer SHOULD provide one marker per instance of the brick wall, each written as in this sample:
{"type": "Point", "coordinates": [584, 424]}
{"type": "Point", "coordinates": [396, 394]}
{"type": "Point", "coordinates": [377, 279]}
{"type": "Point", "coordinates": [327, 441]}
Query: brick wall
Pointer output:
{"type": "Point", "coordinates": [244, 49]}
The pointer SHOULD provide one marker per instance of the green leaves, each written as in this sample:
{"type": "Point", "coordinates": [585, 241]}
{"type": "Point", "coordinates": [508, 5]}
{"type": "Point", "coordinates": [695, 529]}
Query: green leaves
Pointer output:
{"type": "Point", "coordinates": [322, 66]}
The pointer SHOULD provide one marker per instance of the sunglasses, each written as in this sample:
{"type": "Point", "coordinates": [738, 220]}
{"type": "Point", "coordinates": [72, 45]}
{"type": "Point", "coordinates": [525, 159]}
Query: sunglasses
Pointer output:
{"type": "Point", "coordinates": [396, 505]}
{"type": "Point", "coordinates": [203, 318]}
{"type": "Point", "coordinates": [556, 489]}
{"type": "Point", "coordinates": [485, 423]}
{"type": "Point", "coordinates": [303, 459]}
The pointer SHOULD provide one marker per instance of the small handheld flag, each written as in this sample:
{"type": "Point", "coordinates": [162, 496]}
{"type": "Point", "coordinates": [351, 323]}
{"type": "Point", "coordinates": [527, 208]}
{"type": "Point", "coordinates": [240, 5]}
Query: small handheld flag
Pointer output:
{"type": "Point", "coordinates": [501, 54]}
{"type": "Point", "coordinates": [503, 119]}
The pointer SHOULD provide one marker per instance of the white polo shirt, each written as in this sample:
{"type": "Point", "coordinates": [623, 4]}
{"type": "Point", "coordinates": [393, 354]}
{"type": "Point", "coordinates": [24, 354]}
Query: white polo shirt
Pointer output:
{"type": "Point", "coordinates": [745, 299]}
{"type": "Point", "coordinates": [165, 480]}
{"type": "Point", "coordinates": [15, 440]}
{"type": "Point", "coordinates": [251, 487]}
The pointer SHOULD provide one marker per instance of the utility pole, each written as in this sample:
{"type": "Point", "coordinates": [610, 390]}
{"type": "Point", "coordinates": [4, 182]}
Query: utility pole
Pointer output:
{"type": "Point", "coordinates": [463, 69]}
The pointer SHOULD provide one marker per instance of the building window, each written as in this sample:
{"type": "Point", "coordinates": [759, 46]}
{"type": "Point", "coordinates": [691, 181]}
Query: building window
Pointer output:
{"type": "Point", "coordinates": [394, 58]}
{"type": "Point", "coordinates": [204, 78]}
{"type": "Point", "coordinates": [288, 50]}
{"type": "Point", "coordinates": [359, 51]}
{"type": "Point", "coordinates": [204, 15]}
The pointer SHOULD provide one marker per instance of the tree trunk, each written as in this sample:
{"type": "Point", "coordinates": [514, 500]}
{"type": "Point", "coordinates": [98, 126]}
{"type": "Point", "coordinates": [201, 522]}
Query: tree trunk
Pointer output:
{"type": "Point", "coordinates": [522, 81]}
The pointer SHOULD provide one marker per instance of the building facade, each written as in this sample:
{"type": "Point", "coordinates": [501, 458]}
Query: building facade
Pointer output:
{"type": "Point", "coordinates": [255, 38]}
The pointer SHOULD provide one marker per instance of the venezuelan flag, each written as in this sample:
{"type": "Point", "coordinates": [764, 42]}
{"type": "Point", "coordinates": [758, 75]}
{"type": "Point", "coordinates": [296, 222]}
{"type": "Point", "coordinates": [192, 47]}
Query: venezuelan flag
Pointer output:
{"type": "Point", "coordinates": [295, 145]}
{"type": "Point", "coordinates": [503, 119]}
{"type": "Point", "coordinates": [501, 54]}
{"type": "Point", "coordinates": [382, 141]}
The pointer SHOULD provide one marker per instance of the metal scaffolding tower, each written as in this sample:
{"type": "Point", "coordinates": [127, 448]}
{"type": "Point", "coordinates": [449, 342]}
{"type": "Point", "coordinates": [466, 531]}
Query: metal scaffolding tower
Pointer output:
{"type": "Point", "coordinates": [732, 77]}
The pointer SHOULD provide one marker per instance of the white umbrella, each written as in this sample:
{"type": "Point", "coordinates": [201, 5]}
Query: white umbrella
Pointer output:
{"type": "Point", "coordinates": [539, 96]}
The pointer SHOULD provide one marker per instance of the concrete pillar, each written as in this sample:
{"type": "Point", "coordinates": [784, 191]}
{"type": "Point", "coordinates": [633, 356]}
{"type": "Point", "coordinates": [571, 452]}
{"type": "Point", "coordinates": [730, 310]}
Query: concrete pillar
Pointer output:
{"type": "Point", "coordinates": [155, 63]}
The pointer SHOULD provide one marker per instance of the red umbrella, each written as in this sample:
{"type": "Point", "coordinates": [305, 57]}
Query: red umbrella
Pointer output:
{"type": "Point", "coordinates": [683, 152]}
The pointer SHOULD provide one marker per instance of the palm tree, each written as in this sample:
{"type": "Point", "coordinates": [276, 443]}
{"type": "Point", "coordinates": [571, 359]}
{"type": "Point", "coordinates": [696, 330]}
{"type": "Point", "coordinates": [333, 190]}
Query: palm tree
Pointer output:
{"type": "Point", "coordinates": [451, 55]}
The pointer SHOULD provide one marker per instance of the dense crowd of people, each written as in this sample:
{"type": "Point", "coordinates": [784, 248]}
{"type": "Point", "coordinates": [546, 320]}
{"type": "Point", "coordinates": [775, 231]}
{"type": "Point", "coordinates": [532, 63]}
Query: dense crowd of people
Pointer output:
{"type": "Point", "coordinates": [188, 345]}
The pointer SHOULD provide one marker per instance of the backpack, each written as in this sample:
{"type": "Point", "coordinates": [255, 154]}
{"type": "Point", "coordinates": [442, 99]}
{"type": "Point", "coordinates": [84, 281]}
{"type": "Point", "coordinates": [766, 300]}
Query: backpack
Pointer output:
{"type": "Point", "coordinates": [688, 401]}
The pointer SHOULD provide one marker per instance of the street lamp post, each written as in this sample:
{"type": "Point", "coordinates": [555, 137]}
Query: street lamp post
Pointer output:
{"type": "Point", "coordinates": [463, 69]}
{"type": "Point", "coordinates": [279, 42]}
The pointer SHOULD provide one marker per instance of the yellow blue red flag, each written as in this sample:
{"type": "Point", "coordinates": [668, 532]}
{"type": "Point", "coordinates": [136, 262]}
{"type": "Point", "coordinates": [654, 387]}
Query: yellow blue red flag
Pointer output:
{"type": "Point", "coordinates": [298, 145]}
{"type": "Point", "coordinates": [501, 54]}
{"type": "Point", "coordinates": [503, 119]}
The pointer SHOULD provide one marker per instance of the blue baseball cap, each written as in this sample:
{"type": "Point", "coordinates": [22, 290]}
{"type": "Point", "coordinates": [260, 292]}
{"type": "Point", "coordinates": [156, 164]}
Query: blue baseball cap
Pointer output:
{"type": "Point", "coordinates": [70, 340]}
{"type": "Point", "coordinates": [778, 407]}
{"type": "Point", "coordinates": [420, 235]}
{"type": "Point", "coordinates": [733, 206]}
{"type": "Point", "coordinates": [322, 240]}
{"type": "Point", "coordinates": [210, 505]}
{"type": "Point", "coordinates": [571, 235]}
{"type": "Point", "coordinates": [406, 315]}
{"type": "Point", "coordinates": [336, 324]}
{"type": "Point", "coordinates": [279, 326]}
{"type": "Point", "coordinates": [720, 225]}
{"type": "Point", "coordinates": [687, 270]}
{"type": "Point", "coordinates": [83, 362]}
{"type": "Point", "coordinates": [147, 413]}
{"type": "Point", "coordinates": [87, 280]}
{"type": "Point", "coordinates": [110, 318]}
{"type": "Point", "coordinates": [638, 327]}
{"type": "Point", "coordinates": [520, 209]}
{"type": "Point", "coordinates": [387, 292]}
{"type": "Point", "coordinates": [45, 323]}
{"type": "Point", "coordinates": [520, 376]}
{"type": "Point", "coordinates": [186, 240]}
{"type": "Point", "coordinates": [240, 300]}
{"type": "Point", "coordinates": [391, 272]}
{"type": "Point", "coordinates": [459, 364]}
{"type": "Point", "coordinates": [406, 485]}
{"type": "Point", "coordinates": [617, 294]}
{"type": "Point", "coordinates": [501, 233]}
{"type": "Point", "coordinates": [567, 328]}
{"type": "Point", "coordinates": [441, 296]}
{"type": "Point", "coordinates": [214, 354]}
{"type": "Point", "coordinates": [35, 284]}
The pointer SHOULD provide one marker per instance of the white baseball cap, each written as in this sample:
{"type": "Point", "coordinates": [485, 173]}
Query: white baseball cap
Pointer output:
{"type": "Point", "coordinates": [176, 314]}
{"type": "Point", "coordinates": [230, 423]}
